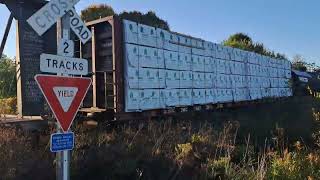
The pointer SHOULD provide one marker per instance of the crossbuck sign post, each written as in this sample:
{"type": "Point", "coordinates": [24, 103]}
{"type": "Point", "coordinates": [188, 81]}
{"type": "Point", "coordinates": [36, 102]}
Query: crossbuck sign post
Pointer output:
{"type": "Point", "coordinates": [63, 93]}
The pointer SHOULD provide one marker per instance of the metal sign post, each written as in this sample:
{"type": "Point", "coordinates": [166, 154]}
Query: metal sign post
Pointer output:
{"type": "Point", "coordinates": [64, 155]}
{"type": "Point", "coordinates": [64, 94]}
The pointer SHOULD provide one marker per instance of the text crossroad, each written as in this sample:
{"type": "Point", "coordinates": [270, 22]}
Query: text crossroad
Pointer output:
{"type": "Point", "coordinates": [48, 15]}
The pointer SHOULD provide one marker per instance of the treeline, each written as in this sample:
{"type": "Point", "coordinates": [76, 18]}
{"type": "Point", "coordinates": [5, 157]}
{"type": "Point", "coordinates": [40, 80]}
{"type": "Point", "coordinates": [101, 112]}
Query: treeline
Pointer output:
{"type": "Point", "coordinates": [98, 11]}
{"type": "Point", "coordinates": [238, 40]}
{"type": "Point", "coordinates": [243, 41]}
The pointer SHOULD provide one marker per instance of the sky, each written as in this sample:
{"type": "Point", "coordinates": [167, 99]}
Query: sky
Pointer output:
{"type": "Point", "coordinates": [286, 26]}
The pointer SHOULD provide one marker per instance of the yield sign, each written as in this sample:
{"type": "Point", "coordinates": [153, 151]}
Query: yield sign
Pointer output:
{"type": "Point", "coordinates": [64, 96]}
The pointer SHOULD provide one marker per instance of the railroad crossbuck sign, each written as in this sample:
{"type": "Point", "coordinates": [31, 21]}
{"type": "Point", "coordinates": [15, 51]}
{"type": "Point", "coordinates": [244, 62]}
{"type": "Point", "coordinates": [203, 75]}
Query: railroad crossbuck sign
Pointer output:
{"type": "Point", "coordinates": [64, 96]}
{"type": "Point", "coordinates": [48, 15]}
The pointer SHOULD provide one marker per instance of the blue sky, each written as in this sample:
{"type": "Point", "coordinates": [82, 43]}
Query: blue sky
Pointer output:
{"type": "Point", "coordinates": [286, 26]}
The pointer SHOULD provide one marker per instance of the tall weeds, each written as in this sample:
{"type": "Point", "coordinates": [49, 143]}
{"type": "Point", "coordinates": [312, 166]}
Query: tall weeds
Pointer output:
{"type": "Point", "coordinates": [165, 150]}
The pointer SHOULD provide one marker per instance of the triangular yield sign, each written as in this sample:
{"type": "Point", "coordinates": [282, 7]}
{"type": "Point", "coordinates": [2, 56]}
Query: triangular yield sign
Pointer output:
{"type": "Point", "coordinates": [64, 96]}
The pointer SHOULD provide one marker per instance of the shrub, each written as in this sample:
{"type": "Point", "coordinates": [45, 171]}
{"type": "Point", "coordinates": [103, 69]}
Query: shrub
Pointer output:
{"type": "Point", "coordinates": [8, 106]}
{"type": "Point", "coordinates": [183, 151]}
{"type": "Point", "coordinates": [218, 168]}
{"type": "Point", "coordinates": [286, 167]}
{"type": "Point", "coordinates": [294, 166]}
{"type": "Point", "coordinates": [7, 77]}
{"type": "Point", "coordinates": [197, 138]}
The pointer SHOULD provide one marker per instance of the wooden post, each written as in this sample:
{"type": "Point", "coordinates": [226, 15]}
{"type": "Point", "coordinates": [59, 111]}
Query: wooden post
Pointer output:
{"type": "Point", "coordinates": [94, 76]}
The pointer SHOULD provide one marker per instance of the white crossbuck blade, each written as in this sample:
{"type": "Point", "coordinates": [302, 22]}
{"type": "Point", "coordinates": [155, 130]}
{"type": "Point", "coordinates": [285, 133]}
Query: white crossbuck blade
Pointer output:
{"type": "Point", "coordinates": [79, 27]}
{"type": "Point", "coordinates": [48, 15]}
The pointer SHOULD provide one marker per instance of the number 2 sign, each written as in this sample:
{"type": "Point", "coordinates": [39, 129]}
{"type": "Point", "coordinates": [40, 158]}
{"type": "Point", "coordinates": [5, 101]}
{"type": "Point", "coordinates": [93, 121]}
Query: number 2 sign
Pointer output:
{"type": "Point", "coordinates": [66, 48]}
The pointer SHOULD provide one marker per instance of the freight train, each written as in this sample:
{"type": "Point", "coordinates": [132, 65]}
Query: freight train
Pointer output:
{"type": "Point", "coordinates": [139, 69]}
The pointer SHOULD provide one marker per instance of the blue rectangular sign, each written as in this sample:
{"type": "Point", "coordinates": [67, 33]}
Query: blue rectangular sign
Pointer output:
{"type": "Point", "coordinates": [61, 142]}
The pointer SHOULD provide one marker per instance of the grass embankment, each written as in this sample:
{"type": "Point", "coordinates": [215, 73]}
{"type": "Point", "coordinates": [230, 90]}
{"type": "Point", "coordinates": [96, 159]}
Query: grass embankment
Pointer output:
{"type": "Point", "coordinates": [271, 141]}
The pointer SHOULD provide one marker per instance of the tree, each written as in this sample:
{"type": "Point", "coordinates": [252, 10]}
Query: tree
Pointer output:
{"type": "Point", "coordinates": [240, 41]}
{"type": "Point", "coordinates": [298, 63]}
{"type": "Point", "coordinates": [7, 77]}
{"type": "Point", "coordinates": [96, 11]}
{"type": "Point", "coordinates": [150, 18]}
{"type": "Point", "coordinates": [245, 42]}
{"type": "Point", "coordinates": [240, 37]}
{"type": "Point", "coordinates": [280, 56]}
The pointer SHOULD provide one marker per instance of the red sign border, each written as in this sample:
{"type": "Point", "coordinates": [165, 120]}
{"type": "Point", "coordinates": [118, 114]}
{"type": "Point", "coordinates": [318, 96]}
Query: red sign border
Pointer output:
{"type": "Point", "coordinates": [55, 76]}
